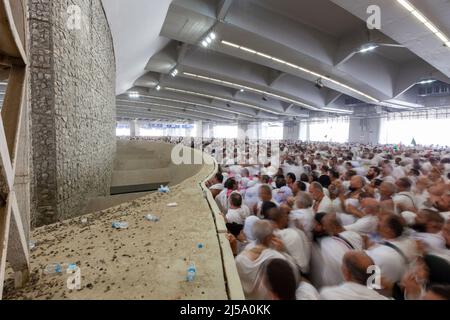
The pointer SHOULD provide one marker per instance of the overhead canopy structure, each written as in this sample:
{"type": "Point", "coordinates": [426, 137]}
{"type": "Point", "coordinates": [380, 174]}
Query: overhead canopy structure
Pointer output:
{"type": "Point", "coordinates": [229, 60]}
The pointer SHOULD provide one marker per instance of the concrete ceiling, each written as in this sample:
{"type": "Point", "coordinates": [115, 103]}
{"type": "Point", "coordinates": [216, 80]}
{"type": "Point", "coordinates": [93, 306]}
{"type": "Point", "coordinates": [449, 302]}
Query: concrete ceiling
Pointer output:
{"type": "Point", "coordinates": [135, 27]}
{"type": "Point", "coordinates": [322, 36]}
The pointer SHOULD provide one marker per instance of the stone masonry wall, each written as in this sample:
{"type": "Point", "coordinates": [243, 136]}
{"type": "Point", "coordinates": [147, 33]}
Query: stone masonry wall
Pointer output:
{"type": "Point", "coordinates": [72, 99]}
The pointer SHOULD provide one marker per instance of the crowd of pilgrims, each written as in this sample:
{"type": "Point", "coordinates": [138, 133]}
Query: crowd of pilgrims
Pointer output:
{"type": "Point", "coordinates": [340, 221]}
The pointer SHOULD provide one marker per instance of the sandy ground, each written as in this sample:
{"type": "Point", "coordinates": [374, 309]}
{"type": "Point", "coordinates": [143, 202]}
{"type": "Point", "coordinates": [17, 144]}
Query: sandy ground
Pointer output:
{"type": "Point", "coordinates": [149, 260]}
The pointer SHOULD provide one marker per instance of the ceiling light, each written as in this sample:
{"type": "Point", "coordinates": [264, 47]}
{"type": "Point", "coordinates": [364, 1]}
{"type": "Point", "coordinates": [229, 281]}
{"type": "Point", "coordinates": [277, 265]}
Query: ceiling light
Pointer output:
{"type": "Point", "coordinates": [204, 43]}
{"type": "Point", "coordinates": [441, 36]}
{"type": "Point", "coordinates": [294, 66]}
{"type": "Point", "coordinates": [242, 90]}
{"type": "Point", "coordinates": [264, 55]}
{"type": "Point", "coordinates": [337, 110]}
{"type": "Point", "coordinates": [421, 17]}
{"type": "Point", "coordinates": [431, 27]}
{"type": "Point", "coordinates": [212, 35]}
{"type": "Point", "coordinates": [407, 5]}
{"type": "Point", "coordinates": [208, 39]}
{"type": "Point", "coordinates": [158, 87]}
{"type": "Point", "coordinates": [395, 106]}
{"type": "Point", "coordinates": [426, 81]}
{"type": "Point", "coordinates": [230, 44]}
{"type": "Point", "coordinates": [134, 95]}
{"type": "Point", "coordinates": [367, 48]}
{"type": "Point", "coordinates": [248, 50]}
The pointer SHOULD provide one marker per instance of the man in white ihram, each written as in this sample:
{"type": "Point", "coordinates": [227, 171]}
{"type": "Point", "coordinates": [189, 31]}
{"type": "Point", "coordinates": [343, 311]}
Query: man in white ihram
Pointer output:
{"type": "Point", "coordinates": [355, 267]}
{"type": "Point", "coordinates": [322, 203]}
{"type": "Point", "coordinates": [250, 262]}
{"type": "Point", "coordinates": [334, 246]}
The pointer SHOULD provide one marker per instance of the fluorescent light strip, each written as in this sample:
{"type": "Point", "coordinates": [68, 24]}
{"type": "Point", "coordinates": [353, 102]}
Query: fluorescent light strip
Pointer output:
{"type": "Point", "coordinates": [161, 112]}
{"type": "Point", "coordinates": [242, 87]}
{"type": "Point", "coordinates": [419, 16]}
{"type": "Point", "coordinates": [294, 66]}
{"type": "Point", "coordinates": [198, 104]}
{"type": "Point", "coordinates": [395, 106]}
{"type": "Point", "coordinates": [221, 99]}
{"type": "Point", "coordinates": [175, 107]}
{"type": "Point", "coordinates": [337, 110]}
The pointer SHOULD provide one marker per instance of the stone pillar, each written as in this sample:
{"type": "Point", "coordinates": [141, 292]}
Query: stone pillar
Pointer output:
{"type": "Point", "coordinates": [291, 130]}
{"type": "Point", "coordinates": [72, 82]}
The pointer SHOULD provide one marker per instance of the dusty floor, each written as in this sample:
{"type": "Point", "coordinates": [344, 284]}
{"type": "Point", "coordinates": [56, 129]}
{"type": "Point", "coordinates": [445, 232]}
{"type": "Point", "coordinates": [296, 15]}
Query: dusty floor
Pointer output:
{"type": "Point", "coordinates": [149, 260]}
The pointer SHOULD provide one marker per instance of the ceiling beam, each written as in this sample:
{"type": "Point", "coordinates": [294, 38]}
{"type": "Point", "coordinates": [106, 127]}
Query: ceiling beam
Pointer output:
{"type": "Point", "coordinates": [223, 8]}
{"type": "Point", "coordinates": [170, 113]}
{"type": "Point", "coordinates": [183, 50]}
{"type": "Point", "coordinates": [164, 107]}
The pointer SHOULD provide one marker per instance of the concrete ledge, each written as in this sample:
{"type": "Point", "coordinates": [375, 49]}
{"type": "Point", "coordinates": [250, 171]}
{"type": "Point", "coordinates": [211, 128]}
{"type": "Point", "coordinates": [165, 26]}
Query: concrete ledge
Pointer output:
{"type": "Point", "coordinates": [234, 286]}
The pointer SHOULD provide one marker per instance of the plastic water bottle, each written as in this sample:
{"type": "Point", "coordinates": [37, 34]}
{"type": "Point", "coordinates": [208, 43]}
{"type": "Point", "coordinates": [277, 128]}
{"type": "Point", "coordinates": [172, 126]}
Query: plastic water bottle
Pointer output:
{"type": "Point", "coordinates": [191, 272]}
{"type": "Point", "coordinates": [164, 189]}
{"type": "Point", "coordinates": [53, 268]}
{"type": "Point", "coordinates": [32, 245]}
{"type": "Point", "coordinates": [152, 218]}
{"type": "Point", "coordinates": [119, 225]}
{"type": "Point", "coordinates": [58, 268]}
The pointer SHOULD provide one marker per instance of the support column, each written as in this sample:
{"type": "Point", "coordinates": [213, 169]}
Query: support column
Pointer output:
{"type": "Point", "coordinates": [206, 130]}
{"type": "Point", "coordinates": [365, 130]}
{"type": "Point", "coordinates": [134, 128]}
{"type": "Point", "coordinates": [211, 130]}
{"type": "Point", "coordinates": [199, 129]}
{"type": "Point", "coordinates": [253, 131]}
{"type": "Point", "coordinates": [291, 130]}
{"type": "Point", "coordinates": [242, 130]}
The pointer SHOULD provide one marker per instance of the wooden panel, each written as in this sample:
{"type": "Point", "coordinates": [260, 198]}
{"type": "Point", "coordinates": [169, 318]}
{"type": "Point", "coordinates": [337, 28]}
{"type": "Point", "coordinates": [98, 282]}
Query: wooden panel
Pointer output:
{"type": "Point", "coordinates": [17, 254]}
{"type": "Point", "coordinates": [12, 107]}
{"type": "Point", "coordinates": [13, 237]}
{"type": "Point", "coordinates": [18, 9]}
{"type": "Point", "coordinates": [7, 174]}
{"type": "Point", "coordinates": [12, 43]}
{"type": "Point", "coordinates": [8, 46]}
{"type": "Point", "coordinates": [5, 220]}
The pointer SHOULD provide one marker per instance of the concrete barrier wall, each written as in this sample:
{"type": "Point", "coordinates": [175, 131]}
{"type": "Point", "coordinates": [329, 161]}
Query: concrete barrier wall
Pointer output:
{"type": "Point", "coordinates": [234, 286]}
